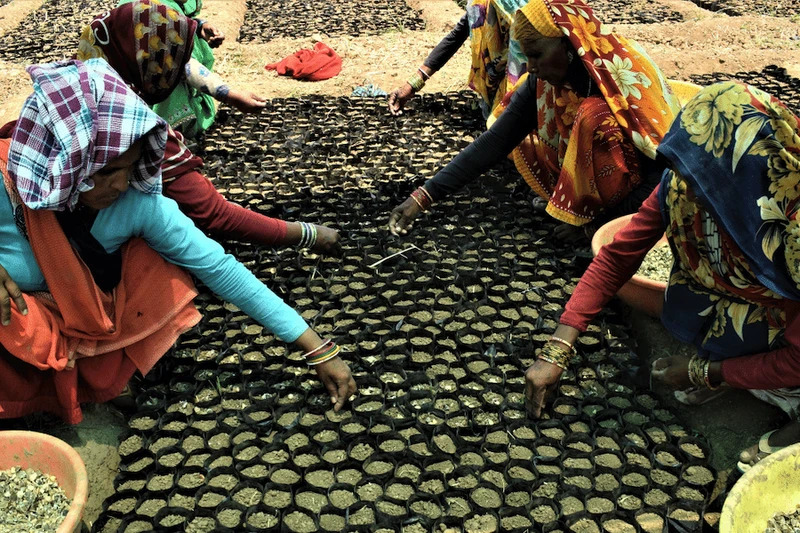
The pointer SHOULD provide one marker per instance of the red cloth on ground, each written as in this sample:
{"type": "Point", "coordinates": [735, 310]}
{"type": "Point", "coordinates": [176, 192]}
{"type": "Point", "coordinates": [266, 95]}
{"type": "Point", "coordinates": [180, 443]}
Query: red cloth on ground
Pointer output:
{"type": "Point", "coordinates": [618, 261]}
{"type": "Point", "coordinates": [211, 212]}
{"type": "Point", "coordinates": [80, 344]}
{"type": "Point", "coordinates": [318, 64]}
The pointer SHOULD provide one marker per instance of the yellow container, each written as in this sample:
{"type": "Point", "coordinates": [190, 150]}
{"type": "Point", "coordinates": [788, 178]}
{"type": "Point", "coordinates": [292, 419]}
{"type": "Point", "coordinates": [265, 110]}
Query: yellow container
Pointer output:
{"type": "Point", "coordinates": [771, 486]}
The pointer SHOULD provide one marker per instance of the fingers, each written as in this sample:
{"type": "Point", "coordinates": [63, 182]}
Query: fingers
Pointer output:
{"type": "Point", "coordinates": [394, 105]}
{"type": "Point", "coordinates": [9, 291]}
{"type": "Point", "coordinates": [394, 218]}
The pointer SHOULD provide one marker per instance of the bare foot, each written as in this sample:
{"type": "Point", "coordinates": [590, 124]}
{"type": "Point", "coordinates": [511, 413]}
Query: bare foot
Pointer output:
{"type": "Point", "coordinates": [785, 436]}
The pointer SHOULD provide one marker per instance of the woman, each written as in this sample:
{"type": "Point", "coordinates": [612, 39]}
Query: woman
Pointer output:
{"type": "Point", "coordinates": [95, 268]}
{"type": "Point", "coordinates": [149, 44]}
{"type": "Point", "coordinates": [583, 125]}
{"type": "Point", "coordinates": [729, 205]}
{"type": "Point", "coordinates": [190, 106]}
{"type": "Point", "coordinates": [497, 61]}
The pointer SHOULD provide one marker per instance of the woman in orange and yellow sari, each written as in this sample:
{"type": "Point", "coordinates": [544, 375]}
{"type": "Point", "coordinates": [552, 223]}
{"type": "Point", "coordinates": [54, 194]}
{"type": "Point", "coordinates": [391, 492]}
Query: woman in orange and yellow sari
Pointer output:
{"type": "Point", "coordinates": [582, 126]}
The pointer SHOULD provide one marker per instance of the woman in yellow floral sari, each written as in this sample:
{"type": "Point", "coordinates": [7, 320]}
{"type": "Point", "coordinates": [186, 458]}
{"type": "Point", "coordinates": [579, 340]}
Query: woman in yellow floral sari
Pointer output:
{"type": "Point", "coordinates": [729, 206]}
{"type": "Point", "coordinates": [582, 125]}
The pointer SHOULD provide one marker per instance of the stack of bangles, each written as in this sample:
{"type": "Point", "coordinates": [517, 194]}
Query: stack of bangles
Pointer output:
{"type": "Point", "coordinates": [698, 373]}
{"type": "Point", "coordinates": [308, 235]}
{"type": "Point", "coordinates": [557, 355]}
{"type": "Point", "coordinates": [417, 80]}
{"type": "Point", "coordinates": [324, 352]}
{"type": "Point", "coordinates": [423, 198]}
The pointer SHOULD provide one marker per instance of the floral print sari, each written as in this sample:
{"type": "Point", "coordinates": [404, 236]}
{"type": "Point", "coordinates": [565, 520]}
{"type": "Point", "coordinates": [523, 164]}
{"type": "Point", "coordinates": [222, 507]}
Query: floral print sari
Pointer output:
{"type": "Point", "coordinates": [583, 156]}
{"type": "Point", "coordinates": [730, 204]}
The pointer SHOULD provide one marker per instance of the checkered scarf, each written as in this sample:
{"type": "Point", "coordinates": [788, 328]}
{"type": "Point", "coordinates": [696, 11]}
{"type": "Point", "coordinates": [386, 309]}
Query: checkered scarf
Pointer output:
{"type": "Point", "coordinates": [80, 117]}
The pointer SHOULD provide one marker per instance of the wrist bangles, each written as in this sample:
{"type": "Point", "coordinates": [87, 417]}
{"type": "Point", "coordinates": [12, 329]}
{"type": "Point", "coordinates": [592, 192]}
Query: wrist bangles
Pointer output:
{"type": "Point", "coordinates": [324, 352]}
{"type": "Point", "coordinates": [698, 373]}
{"type": "Point", "coordinates": [423, 198]}
{"type": "Point", "coordinates": [308, 235]}
{"type": "Point", "coordinates": [557, 355]}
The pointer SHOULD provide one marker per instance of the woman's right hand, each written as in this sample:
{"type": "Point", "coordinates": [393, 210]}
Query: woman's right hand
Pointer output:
{"type": "Point", "coordinates": [398, 99]}
{"type": "Point", "coordinates": [541, 379]}
{"type": "Point", "coordinates": [402, 217]}
{"type": "Point", "coordinates": [9, 290]}
{"type": "Point", "coordinates": [338, 380]}
{"type": "Point", "coordinates": [327, 241]}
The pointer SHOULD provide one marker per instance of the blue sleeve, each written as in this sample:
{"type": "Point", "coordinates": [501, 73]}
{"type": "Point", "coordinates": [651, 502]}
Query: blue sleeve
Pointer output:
{"type": "Point", "coordinates": [169, 232]}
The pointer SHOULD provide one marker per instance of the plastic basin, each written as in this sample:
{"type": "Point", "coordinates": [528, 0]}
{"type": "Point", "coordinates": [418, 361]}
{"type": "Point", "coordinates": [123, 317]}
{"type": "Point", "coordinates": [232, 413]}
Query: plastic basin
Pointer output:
{"type": "Point", "coordinates": [639, 292]}
{"type": "Point", "coordinates": [771, 486]}
{"type": "Point", "coordinates": [52, 456]}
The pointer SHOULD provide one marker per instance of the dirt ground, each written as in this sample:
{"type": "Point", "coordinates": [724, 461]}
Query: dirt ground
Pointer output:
{"type": "Point", "coordinates": [705, 42]}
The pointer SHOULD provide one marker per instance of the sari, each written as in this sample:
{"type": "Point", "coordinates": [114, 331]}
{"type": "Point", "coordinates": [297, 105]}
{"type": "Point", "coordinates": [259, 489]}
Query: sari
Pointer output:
{"type": "Point", "coordinates": [148, 44]}
{"type": "Point", "coordinates": [497, 60]}
{"type": "Point", "coordinates": [730, 204]}
{"type": "Point", "coordinates": [187, 109]}
{"type": "Point", "coordinates": [78, 343]}
{"type": "Point", "coordinates": [584, 155]}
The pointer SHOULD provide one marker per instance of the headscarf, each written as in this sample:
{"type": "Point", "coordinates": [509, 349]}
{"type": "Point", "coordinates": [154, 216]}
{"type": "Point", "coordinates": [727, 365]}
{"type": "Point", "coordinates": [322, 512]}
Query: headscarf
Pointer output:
{"type": "Point", "coordinates": [147, 42]}
{"type": "Point", "coordinates": [497, 60]}
{"type": "Point", "coordinates": [633, 86]}
{"type": "Point", "coordinates": [731, 206]}
{"type": "Point", "coordinates": [80, 117]}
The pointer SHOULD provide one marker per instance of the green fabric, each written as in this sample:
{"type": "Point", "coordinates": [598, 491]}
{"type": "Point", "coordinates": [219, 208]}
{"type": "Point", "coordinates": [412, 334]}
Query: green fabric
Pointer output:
{"type": "Point", "coordinates": [187, 109]}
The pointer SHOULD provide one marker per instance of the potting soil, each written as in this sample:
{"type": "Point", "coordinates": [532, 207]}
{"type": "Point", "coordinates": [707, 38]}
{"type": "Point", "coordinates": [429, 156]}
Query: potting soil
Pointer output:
{"type": "Point", "coordinates": [427, 441]}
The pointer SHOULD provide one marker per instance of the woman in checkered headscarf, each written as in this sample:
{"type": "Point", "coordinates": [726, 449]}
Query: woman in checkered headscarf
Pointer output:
{"type": "Point", "coordinates": [89, 251]}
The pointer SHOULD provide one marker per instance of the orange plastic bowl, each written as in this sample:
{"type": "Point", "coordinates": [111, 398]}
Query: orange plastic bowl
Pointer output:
{"type": "Point", "coordinates": [639, 292]}
{"type": "Point", "coordinates": [52, 456]}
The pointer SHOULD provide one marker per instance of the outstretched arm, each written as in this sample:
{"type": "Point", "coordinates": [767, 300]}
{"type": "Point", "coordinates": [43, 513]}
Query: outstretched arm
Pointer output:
{"type": "Point", "coordinates": [211, 83]}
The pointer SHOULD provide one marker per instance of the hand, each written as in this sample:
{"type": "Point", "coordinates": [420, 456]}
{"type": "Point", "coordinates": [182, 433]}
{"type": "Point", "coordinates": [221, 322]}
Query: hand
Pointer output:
{"type": "Point", "coordinates": [398, 99]}
{"type": "Point", "coordinates": [541, 379]}
{"type": "Point", "coordinates": [327, 241]}
{"type": "Point", "coordinates": [210, 34]}
{"type": "Point", "coordinates": [245, 101]}
{"type": "Point", "coordinates": [336, 376]}
{"type": "Point", "coordinates": [402, 217]}
{"type": "Point", "coordinates": [9, 291]}
{"type": "Point", "coordinates": [672, 371]}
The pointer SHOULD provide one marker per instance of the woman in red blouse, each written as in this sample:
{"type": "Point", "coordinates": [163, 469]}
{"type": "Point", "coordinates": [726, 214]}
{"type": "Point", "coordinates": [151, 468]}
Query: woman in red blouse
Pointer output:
{"type": "Point", "coordinates": [728, 203]}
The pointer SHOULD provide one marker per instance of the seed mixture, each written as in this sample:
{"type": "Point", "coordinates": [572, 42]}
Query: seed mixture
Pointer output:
{"type": "Point", "coordinates": [31, 501]}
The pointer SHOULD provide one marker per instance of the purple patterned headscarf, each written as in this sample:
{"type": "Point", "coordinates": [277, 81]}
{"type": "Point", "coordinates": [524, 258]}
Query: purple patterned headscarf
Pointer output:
{"type": "Point", "coordinates": [80, 117]}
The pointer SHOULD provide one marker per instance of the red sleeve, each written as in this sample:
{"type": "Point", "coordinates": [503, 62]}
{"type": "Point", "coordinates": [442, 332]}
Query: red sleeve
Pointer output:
{"type": "Point", "coordinates": [769, 370]}
{"type": "Point", "coordinates": [615, 264]}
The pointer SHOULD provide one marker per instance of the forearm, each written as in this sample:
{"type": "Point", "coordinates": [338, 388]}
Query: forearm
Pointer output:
{"type": "Point", "coordinates": [447, 47]}
{"type": "Point", "coordinates": [490, 147]}
{"type": "Point", "coordinates": [614, 265]}
{"type": "Point", "coordinates": [206, 81]}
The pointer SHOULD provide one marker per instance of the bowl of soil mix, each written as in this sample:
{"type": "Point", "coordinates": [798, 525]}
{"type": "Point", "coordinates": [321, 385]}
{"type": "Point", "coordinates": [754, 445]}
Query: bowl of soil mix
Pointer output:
{"type": "Point", "coordinates": [767, 492]}
{"type": "Point", "coordinates": [44, 473]}
{"type": "Point", "coordinates": [645, 290]}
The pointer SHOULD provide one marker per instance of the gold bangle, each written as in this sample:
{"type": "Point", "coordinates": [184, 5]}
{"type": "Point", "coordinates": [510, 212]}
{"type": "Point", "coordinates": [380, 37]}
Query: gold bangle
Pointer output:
{"type": "Point", "coordinates": [564, 342]}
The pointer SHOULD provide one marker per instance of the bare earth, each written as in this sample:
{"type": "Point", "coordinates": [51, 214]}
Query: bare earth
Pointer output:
{"type": "Point", "coordinates": [705, 42]}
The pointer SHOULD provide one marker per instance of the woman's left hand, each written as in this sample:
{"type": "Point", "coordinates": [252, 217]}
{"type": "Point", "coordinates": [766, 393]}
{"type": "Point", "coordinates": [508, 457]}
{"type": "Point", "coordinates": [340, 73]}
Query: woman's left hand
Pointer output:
{"type": "Point", "coordinates": [336, 376]}
{"type": "Point", "coordinates": [672, 371]}
{"type": "Point", "coordinates": [210, 34]}
{"type": "Point", "coordinates": [245, 101]}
